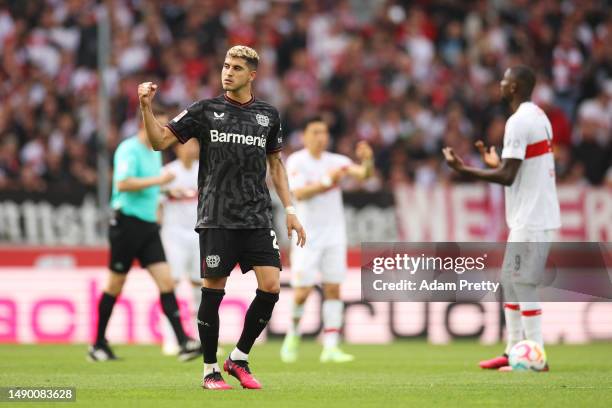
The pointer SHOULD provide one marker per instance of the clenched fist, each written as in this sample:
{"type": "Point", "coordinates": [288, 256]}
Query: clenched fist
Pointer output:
{"type": "Point", "coordinates": [146, 92]}
{"type": "Point", "coordinates": [364, 151]}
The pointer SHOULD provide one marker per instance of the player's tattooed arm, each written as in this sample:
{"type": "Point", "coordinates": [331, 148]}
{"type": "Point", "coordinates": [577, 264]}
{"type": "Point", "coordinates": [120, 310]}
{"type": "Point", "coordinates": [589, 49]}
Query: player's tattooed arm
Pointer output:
{"type": "Point", "coordinates": [281, 184]}
{"type": "Point", "coordinates": [160, 136]}
{"type": "Point", "coordinates": [503, 174]}
{"type": "Point", "coordinates": [279, 177]}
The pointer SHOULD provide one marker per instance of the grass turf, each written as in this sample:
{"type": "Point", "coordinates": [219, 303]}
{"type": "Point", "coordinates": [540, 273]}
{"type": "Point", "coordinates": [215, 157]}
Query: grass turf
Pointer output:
{"type": "Point", "coordinates": [399, 374]}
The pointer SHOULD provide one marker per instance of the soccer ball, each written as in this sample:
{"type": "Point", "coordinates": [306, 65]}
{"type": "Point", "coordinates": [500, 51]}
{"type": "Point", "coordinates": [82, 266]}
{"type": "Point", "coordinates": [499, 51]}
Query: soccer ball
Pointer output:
{"type": "Point", "coordinates": [527, 355]}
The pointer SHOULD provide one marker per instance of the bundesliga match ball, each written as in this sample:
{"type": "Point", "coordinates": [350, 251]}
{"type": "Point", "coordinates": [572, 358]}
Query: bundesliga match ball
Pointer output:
{"type": "Point", "coordinates": [527, 355]}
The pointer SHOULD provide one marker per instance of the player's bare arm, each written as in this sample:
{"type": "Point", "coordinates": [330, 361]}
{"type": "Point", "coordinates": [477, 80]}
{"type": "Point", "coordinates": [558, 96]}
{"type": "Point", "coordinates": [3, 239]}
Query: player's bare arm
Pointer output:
{"type": "Point", "coordinates": [503, 174]}
{"type": "Point", "coordinates": [330, 180]}
{"type": "Point", "coordinates": [309, 191]}
{"type": "Point", "coordinates": [281, 184]}
{"type": "Point", "coordinates": [179, 193]}
{"type": "Point", "coordinates": [360, 171]}
{"type": "Point", "coordinates": [159, 136]}
{"type": "Point", "coordinates": [140, 183]}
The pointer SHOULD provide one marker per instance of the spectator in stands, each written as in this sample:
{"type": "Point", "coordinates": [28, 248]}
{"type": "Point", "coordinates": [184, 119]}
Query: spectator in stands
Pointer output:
{"type": "Point", "coordinates": [398, 76]}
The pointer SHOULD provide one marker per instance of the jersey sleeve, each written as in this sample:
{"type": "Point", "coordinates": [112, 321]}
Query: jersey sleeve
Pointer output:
{"type": "Point", "coordinates": [274, 142]}
{"type": "Point", "coordinates": [125, 164]}
{"type": "Point", "coordinates": [295, 175]}
{"type": "Point", "coordinates": [187, 124]}
{"type": "Point", "coordinates": [515, 140]}
{"type": "Point", "coordinates": [342, 161]}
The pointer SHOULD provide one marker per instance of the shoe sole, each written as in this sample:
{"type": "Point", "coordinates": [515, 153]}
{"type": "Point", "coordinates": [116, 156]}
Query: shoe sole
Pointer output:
{"type": "Point", "coordinates": [183, 358]}
{"type": "Point", "coordinates": [288, 358]}
{"type": "Point", "coordinates": [229, 372]}
{"type": "Point", "coordinates": [336, 362]}
{"type": "Point", "coordinates": [217, 389]}
{"type": "Point", "coordinates": [483, 364]}
{"type": "Point", "coordinates": [93, 360]}
{"type": "Point", "coordinates": [331, 360]}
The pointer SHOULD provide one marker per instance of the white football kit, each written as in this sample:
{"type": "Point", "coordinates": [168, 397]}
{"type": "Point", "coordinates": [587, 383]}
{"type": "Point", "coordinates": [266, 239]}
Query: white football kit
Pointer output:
{"type": "Point", "coordinates": [532, 206]}
{"type": "Point", "coordinates": [179, 218]}
{"type": "Point", "coordinates": [322, 217]}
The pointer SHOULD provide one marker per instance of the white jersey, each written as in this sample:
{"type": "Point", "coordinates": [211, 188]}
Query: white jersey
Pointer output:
{"type": "Point", "coordinates": [181, 213]}
{"type": "Point", "coordinates": [322, 215]}
{"type": "Point", "coordinates": [531, 201]}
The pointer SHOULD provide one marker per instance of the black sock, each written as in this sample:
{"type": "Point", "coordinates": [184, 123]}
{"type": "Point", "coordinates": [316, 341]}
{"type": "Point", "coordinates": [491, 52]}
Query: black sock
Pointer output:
{"type": "Point", "coordinates": [171, 310]}
{"type": "Point", "coordinates": [256, 319]}
{"type": "Point", "coordinates": [208, 322]}
{"type": "Point", "coordinates": [105, 308]}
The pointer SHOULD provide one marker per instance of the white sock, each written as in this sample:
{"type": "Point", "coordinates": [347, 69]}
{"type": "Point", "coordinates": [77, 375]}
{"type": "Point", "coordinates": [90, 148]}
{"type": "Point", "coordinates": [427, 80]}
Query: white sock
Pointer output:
{"type": "Point", "coordinates": [297, 311]}
{"type": "Point", "coordinates": [332, 322]}
{"type": "Point", "coordinates": [168, 336]}
{"type": "Point", "coordinates": [209, 368]}
{"type": "Point", "coordinates": [531, 318]}
{"type": "Point", "coordinates": [531, 312]}
{"type": "Point", "coordinates": [512, 313]}
{"type": "Point", "coordinates": [238, 355]}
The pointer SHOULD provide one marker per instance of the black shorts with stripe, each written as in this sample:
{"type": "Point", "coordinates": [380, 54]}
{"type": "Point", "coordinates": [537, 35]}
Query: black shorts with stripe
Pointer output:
{"type": "Point", "coordinates": [221, 249]}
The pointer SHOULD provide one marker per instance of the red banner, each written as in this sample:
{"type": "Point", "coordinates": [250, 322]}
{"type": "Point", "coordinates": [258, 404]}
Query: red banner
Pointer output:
{"type": "Point", "coordinates": [476, 213]}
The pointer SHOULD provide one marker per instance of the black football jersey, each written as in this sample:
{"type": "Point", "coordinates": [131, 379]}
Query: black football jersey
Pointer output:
{"type": "Point", "coordinates": [234, 142]}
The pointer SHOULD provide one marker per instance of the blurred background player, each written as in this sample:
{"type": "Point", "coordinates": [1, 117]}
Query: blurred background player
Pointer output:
{"type": "Point", "coordinates": [314, 177]}
{"type": "Point", "coordinates": [179, 216]}
{"type": "Point", "coordinates": [134, 234]}
{"type": "Point", "coordinates": [527, 170]}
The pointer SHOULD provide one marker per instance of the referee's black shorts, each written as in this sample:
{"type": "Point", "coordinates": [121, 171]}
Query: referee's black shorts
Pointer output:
{"type": "Point", "coordinates": [132, 238]}
{"type": "Point", "coordinates": [221, 249]}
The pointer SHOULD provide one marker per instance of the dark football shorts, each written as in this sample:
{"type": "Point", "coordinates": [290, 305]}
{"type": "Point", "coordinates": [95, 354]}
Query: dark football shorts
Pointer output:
{"type": "Point", "coordinates": [132, 238]}
{"type": "Point", "coordinates": [221, 249]}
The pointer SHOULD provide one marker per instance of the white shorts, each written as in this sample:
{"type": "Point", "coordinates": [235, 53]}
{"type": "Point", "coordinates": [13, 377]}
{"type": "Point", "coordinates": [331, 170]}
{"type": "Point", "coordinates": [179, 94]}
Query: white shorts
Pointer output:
{"type": "Point", "coordinates": [183, 253]}
{"type": "Point", "coordinates": [306, 262]}
{"type": "Point", "coordinates": [526, 255]}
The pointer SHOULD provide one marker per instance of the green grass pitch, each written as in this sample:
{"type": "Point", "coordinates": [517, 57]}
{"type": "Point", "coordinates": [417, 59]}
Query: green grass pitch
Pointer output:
{"type": "Point", "coordinates": [397, 375]}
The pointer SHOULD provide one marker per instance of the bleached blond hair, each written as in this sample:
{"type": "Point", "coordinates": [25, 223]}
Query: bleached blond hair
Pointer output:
{"type": "Point", "coordinates": [247, 53]}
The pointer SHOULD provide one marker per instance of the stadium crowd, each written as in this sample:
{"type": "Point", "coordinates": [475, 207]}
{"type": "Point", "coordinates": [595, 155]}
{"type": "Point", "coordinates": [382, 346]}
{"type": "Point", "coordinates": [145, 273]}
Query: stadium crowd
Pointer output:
{"type": "Point", "coordinates": [407, 76]}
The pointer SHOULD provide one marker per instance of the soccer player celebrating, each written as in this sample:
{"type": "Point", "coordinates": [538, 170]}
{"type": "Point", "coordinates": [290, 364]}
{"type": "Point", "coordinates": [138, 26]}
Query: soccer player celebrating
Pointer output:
{"type": "Point", "coordinates": [238, 134]}
{"type": "Point", "coordinates": [314, 175]}
{"type": "Point", "coordinates": [134, 234]}
{"type": "Point", "coordinates": [527, 170]}
{"type": "Point", "coordinates": [179, 214]}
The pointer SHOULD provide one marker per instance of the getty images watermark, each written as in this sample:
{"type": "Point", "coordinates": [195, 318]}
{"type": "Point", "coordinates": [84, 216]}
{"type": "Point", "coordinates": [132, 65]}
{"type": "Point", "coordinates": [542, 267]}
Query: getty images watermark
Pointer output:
{"type": "Point", "coordinates": [411, 264]}
{"type": "Point", "coordinates": [453, 271]}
